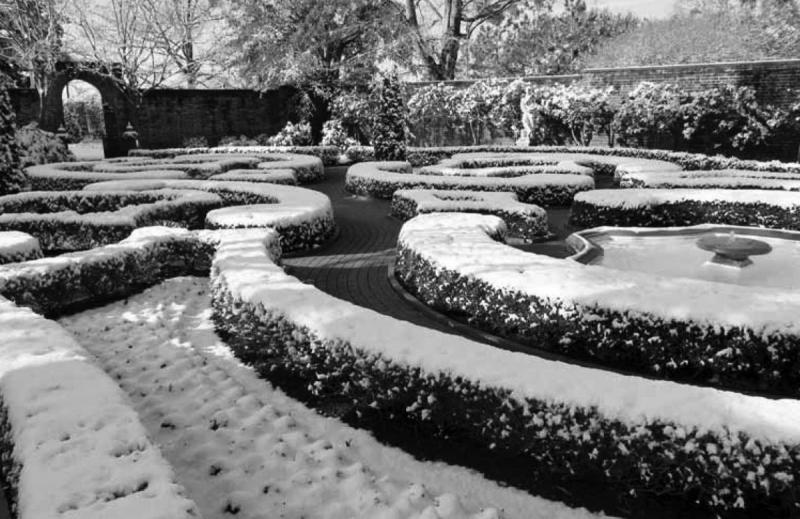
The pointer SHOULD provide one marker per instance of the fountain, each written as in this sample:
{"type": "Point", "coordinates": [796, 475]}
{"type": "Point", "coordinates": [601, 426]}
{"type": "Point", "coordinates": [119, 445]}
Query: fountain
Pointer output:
{"type": "Point", "coordinates": [683, 252]}
{"type": "Point", "coordinates": [731, 250]}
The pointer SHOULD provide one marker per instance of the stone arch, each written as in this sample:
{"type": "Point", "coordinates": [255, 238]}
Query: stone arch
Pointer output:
{"type": "Point", "coordinates": [118, 108]}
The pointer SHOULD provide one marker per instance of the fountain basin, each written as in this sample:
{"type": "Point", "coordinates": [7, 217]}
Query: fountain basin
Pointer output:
{"type": "Point", "coordinates": [759, 257]}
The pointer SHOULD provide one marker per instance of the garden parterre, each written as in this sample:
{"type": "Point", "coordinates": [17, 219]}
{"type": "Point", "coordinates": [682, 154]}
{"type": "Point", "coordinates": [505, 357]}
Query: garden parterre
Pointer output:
{"type": "Point", "coordinates": [382, 179]}
{"type": "Point", "coordinates": [638, 437]}
{"type": "Point", "coordinates": [265, 167]}
{"type": "Point", "coordinates": [524, 220]}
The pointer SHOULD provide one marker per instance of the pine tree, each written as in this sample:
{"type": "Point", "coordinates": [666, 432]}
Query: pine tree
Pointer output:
{"type": "Point", "coordinates": [389, 121]}
{"type": "Point", "coordinates": [12, 178]}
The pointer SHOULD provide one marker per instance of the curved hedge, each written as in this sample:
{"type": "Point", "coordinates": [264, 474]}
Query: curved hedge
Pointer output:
{"type": "Point", "coordinates": [303, 218]}
{"type": "Point", "coordinates": [79, 220]}
{"type": "Point", "coordinates": [524, 220]}
{"type": "Point", "coordinates": [687, 161]}
{"type": "Point", "coordinates": [382, 179]}
{"type": "Point", "coordinates": [329, 155]}
{"type": "Point", "coordinates": [627, 437]}
{"type": "Point", "coordinates": [264, 168]}
{"type": "Point", "coordinates": [18, 246]}
{"type": "Point", "coordinates": [681, 207]}
{"type": "Point", "coordinates": [675, 328]}
{"type": "Point", "coordinates": [714, 179]}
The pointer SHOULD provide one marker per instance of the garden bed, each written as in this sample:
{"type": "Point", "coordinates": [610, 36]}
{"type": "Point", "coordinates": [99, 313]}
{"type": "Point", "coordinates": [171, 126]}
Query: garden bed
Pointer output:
{"type": "Point", "coordinates": [265, 167]}
{"type": "Point", "coordinates": [524, 220]}
{"type": "Point", "coordinates": [382, 179]}
{"type": "Point", "coordinates": [80, 220]}
{"type": "Point", "coordinates": [304, 218]}
{"type": "Point", "coordinates": [686, 161]}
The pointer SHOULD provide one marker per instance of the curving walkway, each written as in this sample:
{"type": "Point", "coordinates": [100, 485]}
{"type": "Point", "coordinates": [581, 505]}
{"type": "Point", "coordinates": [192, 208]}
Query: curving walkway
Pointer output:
{"type": "Point", "coordinates": [354, 267]}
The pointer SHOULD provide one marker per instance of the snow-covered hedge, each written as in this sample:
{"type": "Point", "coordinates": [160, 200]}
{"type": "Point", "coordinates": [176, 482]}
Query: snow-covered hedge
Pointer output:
{"type": "Point", "coordinates": [79, 220]}
{"type": "Point", "coordinates": [330, 155]}
{"type": "Point", "coordinates": [75, 175]}
{"type": "Point", "coordinates": [688, 161]}
{"type": "Point", "coordinates": [70, 443]}
{"type": "Point", "coordinates": [53, 285]}
{"type": "Point", "coordinates": [66, 176]}
{"type": "Point", "coordinates": [382, 179]}
{"type": "Point", "coordinates": [626, 436]}
{"type": "Point", "coordinates": [272, 176]}
{"type": "Point", "coordinates": [681, 207]}
{"type": "Point", "coordinates": [517, 164]}
{"type": "Point", "coordinates": [18, 246]}
{"type": "Point", "coordinates": [714, 179]}
{"type": "Point", "coordinates": [303, 218]}
{"type": "Point", "coordinates": [684, 329]}
{"type": "Point", "coordinates": [523, 220]}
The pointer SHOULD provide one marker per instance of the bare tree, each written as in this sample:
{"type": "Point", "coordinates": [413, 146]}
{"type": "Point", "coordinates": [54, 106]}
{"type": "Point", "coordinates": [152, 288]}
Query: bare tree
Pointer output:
{"type": "Point", "coordinates": [31, 39]}
{"type": "Point", "coordinates": [439, 27]}
{"type": "Point", "coordinates": [181, 28]}
{"type": "Point", "coordinates": [119, 36]}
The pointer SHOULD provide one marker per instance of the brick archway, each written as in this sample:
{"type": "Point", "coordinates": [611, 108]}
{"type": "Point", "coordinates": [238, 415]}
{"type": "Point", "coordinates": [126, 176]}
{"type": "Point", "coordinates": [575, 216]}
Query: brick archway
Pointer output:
{"type": "Point", "coordinates": [118, 108]}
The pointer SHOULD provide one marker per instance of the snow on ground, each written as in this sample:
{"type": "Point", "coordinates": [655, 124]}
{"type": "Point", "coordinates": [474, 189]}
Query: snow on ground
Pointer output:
{"type": "Point", "coordinates": [241, 447]}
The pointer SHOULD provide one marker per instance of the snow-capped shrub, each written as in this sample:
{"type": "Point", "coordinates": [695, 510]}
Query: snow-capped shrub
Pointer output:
{"type": "Point", "coordinates": [629, 437]}
{"type": "Point", "coordinates": [18, 246]}
{"type": "Point", "coordinates": [714, 179]}
{"type": "Point", "coordinates": [680, 207]}
{"type": "Point", "coordinates": [334, 134]}
{"type": "Point", "coordinates": [523, 220]}
{"type": "Point", "coordinates": [176, 164]}
{"type": "Point", "coordinates": [12, 178]}
{"type": "Point", "coordinates": [568, 113]}
{"type": "Point", "coordinates": [650, 116]}
{"type": "Point", "coordinates": [79, 220]}
{"type": "Point", "coordinates": [302, 217]}
{"type": "Point", "coordinates": [54, 285]}
{"type": "Point", "coordinates": [199, 141]}
{"type": "Point", "coordinates": [292, 135]}
{"type": "Point", "coordinates": [382, 179]}
{"type": "Point", "coordinates": [389, 124]}
{"type": "Point", "coordinates": [723, 119]}
{"type": "Point", "coordinates": [40, 147]}
{"type": "Point", "coordinates": [641, 324]}
{"type": "Point", "coordinates": [687, 161]}
{"type": "Point", "coordinates": [328, 155]}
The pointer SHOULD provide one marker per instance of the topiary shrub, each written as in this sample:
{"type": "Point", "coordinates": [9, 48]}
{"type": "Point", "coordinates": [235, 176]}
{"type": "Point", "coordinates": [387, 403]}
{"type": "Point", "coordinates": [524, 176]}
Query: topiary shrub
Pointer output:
{"type": "Point", "coordinates": [12, 178]}
{"type": "Point", "coordinates": [37, 146]}
{"type": "Point", "coordinates": [389, 120]}
{"type": "Point", "coordinates": [292, 135]}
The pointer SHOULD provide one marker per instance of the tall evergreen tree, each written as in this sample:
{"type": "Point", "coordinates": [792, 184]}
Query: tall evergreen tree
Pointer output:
{"type": "Point", "coordinates": [389, 128]}
{"type": "Point", "coordinates": [12, 178]}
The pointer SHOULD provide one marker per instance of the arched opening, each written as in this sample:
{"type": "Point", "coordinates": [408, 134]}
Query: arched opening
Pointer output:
{"type": "Point", "coordinates": [84, 119]}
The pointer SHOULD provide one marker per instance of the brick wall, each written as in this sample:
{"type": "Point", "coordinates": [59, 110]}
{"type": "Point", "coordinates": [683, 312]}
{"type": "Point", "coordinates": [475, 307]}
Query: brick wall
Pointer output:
{"type": "Point", "coordinates": [167, 117]}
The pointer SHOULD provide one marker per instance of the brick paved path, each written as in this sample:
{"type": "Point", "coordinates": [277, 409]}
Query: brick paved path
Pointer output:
{"type": "Point", "coordinates": [355, 266]}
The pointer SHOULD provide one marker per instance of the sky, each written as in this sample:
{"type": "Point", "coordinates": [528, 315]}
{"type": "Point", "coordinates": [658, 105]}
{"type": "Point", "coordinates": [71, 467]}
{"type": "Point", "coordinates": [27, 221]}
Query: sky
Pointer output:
{"type": "Point", "coordinates": [642, 8]}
